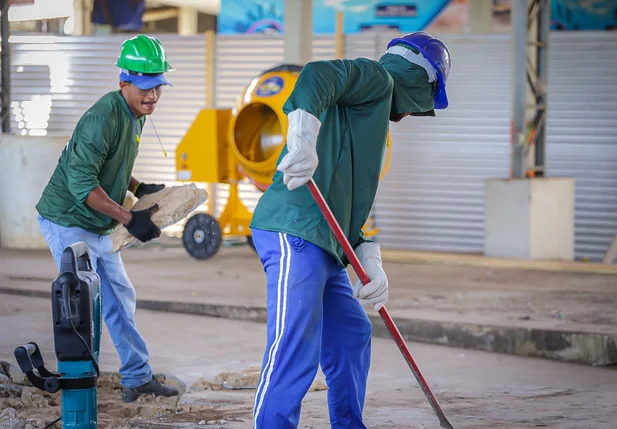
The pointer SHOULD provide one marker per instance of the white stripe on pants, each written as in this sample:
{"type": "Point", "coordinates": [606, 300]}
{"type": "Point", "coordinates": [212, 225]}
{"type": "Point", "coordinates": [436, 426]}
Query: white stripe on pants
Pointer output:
{"type": "Point", "coordinates": [285, 262]}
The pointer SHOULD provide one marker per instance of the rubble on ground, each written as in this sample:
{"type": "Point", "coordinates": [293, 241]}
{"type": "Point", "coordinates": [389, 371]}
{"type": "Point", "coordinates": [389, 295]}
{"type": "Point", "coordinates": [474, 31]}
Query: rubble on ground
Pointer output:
{"type": "Point", "coordinates": [206, 404]}
{"type": "Point", "coordinates": [26, 407]}
{"type": "Point", "coordinates": [247, 379]}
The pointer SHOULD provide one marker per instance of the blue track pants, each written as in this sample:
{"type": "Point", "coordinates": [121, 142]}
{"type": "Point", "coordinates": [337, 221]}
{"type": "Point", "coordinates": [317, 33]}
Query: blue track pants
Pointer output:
{"type": "Point", "coordinates": [312, 319]}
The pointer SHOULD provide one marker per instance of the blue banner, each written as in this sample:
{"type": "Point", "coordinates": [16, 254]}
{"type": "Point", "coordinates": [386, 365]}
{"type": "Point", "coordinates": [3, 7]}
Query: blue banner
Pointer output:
{"type": "Point", "coordinates": [584, 15]}
{"type": "Point", "coordinates": [121, 14]}
{"type": "Point", "coordinates": [266, 16]}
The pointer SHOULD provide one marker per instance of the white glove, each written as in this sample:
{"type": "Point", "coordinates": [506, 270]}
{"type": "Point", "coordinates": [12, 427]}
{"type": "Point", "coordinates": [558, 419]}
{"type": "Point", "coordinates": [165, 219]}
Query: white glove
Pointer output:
{"type": "Point", "coordinates": [299, 164]}
{"type": "Point", "coordinates": [375, 292]}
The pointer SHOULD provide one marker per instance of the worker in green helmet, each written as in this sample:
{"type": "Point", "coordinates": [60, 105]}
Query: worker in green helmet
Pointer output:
{"type": "Point", "coordinates": [83, 199]}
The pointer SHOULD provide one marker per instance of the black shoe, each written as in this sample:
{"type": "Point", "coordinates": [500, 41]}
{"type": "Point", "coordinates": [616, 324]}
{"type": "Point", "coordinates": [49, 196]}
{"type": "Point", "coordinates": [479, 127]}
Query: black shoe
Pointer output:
{"type": "Point", "coordinates": [151, 387]}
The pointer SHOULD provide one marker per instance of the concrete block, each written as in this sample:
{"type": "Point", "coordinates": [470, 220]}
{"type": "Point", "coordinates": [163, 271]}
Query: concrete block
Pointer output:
{"type": "Point", "coordinates": [529, 218]}
{"type": "Point", "coordinates": [26, 164]}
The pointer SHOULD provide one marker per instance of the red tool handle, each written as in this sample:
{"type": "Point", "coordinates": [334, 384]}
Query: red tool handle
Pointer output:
{"type": "Point", "coordinates": [383, 312]}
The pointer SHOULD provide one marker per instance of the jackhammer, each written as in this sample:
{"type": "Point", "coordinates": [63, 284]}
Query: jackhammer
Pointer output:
{"type": "Point", "coordinates": [76, 309]}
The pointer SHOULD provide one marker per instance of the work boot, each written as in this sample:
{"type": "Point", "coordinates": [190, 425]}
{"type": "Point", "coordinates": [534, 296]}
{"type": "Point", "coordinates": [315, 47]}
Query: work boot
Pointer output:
{"type": "Point", "coordinates": [151, 387]}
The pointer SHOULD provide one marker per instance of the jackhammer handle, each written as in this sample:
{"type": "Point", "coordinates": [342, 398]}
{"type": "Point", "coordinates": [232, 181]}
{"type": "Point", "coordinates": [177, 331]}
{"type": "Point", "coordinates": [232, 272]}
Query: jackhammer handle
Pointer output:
{"type": "Point", "coordinates": [33, 353]}
{"type": "Point", "coordinates": [80, 249]}
{"type": "Point", "coordinates": [29, 356]}
{"type": "Point", "coordinates": [76, 257]}
{"type": "Point", "coordinates": [30, 348]}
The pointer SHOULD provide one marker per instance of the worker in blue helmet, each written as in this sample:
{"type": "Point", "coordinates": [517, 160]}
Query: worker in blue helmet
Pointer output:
{"type": "Point", "coordinates": [338, 112]}
{"type": "Point", "coordinates": [430, 54]}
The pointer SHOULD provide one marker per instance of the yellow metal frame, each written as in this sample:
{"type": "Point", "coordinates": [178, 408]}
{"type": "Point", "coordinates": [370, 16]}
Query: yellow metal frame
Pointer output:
{"type": "Point", "coordinates": [236, 218]}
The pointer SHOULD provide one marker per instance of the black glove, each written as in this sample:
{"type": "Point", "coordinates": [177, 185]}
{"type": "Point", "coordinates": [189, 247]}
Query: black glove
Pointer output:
{"type": "Point", "coordinates": [144, 189]}
{"type": "Point", "coordinates": [141, 226]}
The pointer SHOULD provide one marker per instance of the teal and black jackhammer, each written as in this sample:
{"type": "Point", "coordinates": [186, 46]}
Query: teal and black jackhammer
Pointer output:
{"type": "Point", "coordinates": [76, 308]}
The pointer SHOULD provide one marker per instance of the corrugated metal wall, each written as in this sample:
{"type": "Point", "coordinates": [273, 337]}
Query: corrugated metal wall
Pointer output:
{"type": "Point", "coordinates": [432, 196]}
{"type": "Point", "coordinates": [66, 75]}
{"type": "Point", "coordinates": [582, 131]}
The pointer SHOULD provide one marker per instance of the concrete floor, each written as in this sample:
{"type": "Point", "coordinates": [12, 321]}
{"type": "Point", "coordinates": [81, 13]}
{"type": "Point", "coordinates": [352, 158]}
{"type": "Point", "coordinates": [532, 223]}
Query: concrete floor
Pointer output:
{"type": "Point", "coordinates": [496, 296]}
{"type": "Point", "coordinates": [476, 389]}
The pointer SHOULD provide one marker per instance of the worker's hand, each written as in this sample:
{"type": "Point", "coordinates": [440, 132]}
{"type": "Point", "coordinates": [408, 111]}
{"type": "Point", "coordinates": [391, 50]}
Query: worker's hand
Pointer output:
{"type": "Point", "coordinates": [141, 226]}
{"type": "Point", "coordinates": [375, 292]}
{"type": "Point", "coordinates": [299, 164]}
{"type": "Point", "coordinates": [145, 189]}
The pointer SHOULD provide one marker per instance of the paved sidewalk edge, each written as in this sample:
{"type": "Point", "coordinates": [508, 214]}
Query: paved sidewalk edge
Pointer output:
{"type": "Point", "coordinates": [588, 348]}
{"type": "Point", "coordinates": [481, 261]}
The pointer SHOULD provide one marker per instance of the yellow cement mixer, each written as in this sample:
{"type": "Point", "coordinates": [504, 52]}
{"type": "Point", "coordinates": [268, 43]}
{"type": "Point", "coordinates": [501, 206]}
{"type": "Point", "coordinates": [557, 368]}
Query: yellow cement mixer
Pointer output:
{"type": "Point", "coordinates": [229, 146]}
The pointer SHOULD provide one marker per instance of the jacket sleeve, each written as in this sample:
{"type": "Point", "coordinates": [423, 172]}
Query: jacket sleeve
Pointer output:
{"type": "Point", "coordinates": [322, 84]}
{"type": "Point", "coordinates": [361, 239]}
{"type": "Point", "coordinates": [87, 152]}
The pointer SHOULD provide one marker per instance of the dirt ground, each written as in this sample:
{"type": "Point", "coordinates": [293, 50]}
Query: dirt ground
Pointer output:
{"type": "Point", "coordinates": [476, 390]}
{"type": "Point", "coordinates": [505, 296]}
{"type": "Point", "coordinates": [38, 408]}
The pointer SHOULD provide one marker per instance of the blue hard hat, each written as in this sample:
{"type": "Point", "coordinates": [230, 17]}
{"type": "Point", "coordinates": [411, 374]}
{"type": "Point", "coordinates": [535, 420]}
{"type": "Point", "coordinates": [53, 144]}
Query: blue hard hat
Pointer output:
{"type": "Point", "coordinates": [437, 53]}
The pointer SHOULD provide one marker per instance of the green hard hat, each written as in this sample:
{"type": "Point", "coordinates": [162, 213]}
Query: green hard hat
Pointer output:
{"type": "Point", "coordinates": [143, 54]}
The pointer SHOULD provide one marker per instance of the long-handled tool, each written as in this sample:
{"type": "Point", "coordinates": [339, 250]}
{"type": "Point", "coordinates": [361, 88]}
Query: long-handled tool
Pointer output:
{"type": "Point", "coordinates": [385, 316]}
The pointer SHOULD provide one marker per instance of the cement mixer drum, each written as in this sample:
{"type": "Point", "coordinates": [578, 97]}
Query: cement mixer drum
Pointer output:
{"type": "Point", "coordinates": [258, 126]}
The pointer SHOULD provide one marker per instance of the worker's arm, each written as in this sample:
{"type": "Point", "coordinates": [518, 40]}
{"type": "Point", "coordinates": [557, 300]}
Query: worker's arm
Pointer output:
{"type": "Point", "coordinates": [138, 223]}
{"type": "Point", "coordinates": [99, 201]}
{"type": "Point", "coordinates": [87, 153]}
{"type": "Point", "coordinates": [322, 84]}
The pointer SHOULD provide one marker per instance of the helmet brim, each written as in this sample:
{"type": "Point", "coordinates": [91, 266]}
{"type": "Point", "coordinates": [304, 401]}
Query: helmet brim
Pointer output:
{"type": "Point", "coordinates": [145, 81]}
{"type": "Point", "coordinates": [441, 98]}
{"type": "Point", "coordinates": [428, 113]}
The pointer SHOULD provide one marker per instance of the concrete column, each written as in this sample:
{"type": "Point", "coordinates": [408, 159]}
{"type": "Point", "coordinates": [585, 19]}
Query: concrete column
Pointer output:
{"type": "Point", "coordinates": [187, 21]}
{"type": "Point", "coordinates": [520, 89]}
{"type": "Point", "coordinates": [480, 16]}
{"type": "Point", "coordinates": [81, 17]}
{"type": "Point", "coordinates": [298, 33]}
{"type": "Point", "coordinates": [78, 18]}
{"type": "Point", "coordinates": [530, 41]}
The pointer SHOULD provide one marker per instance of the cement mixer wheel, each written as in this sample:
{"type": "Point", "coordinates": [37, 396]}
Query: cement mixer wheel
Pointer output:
{"type": "Point", "coordinates": [202, 236]}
